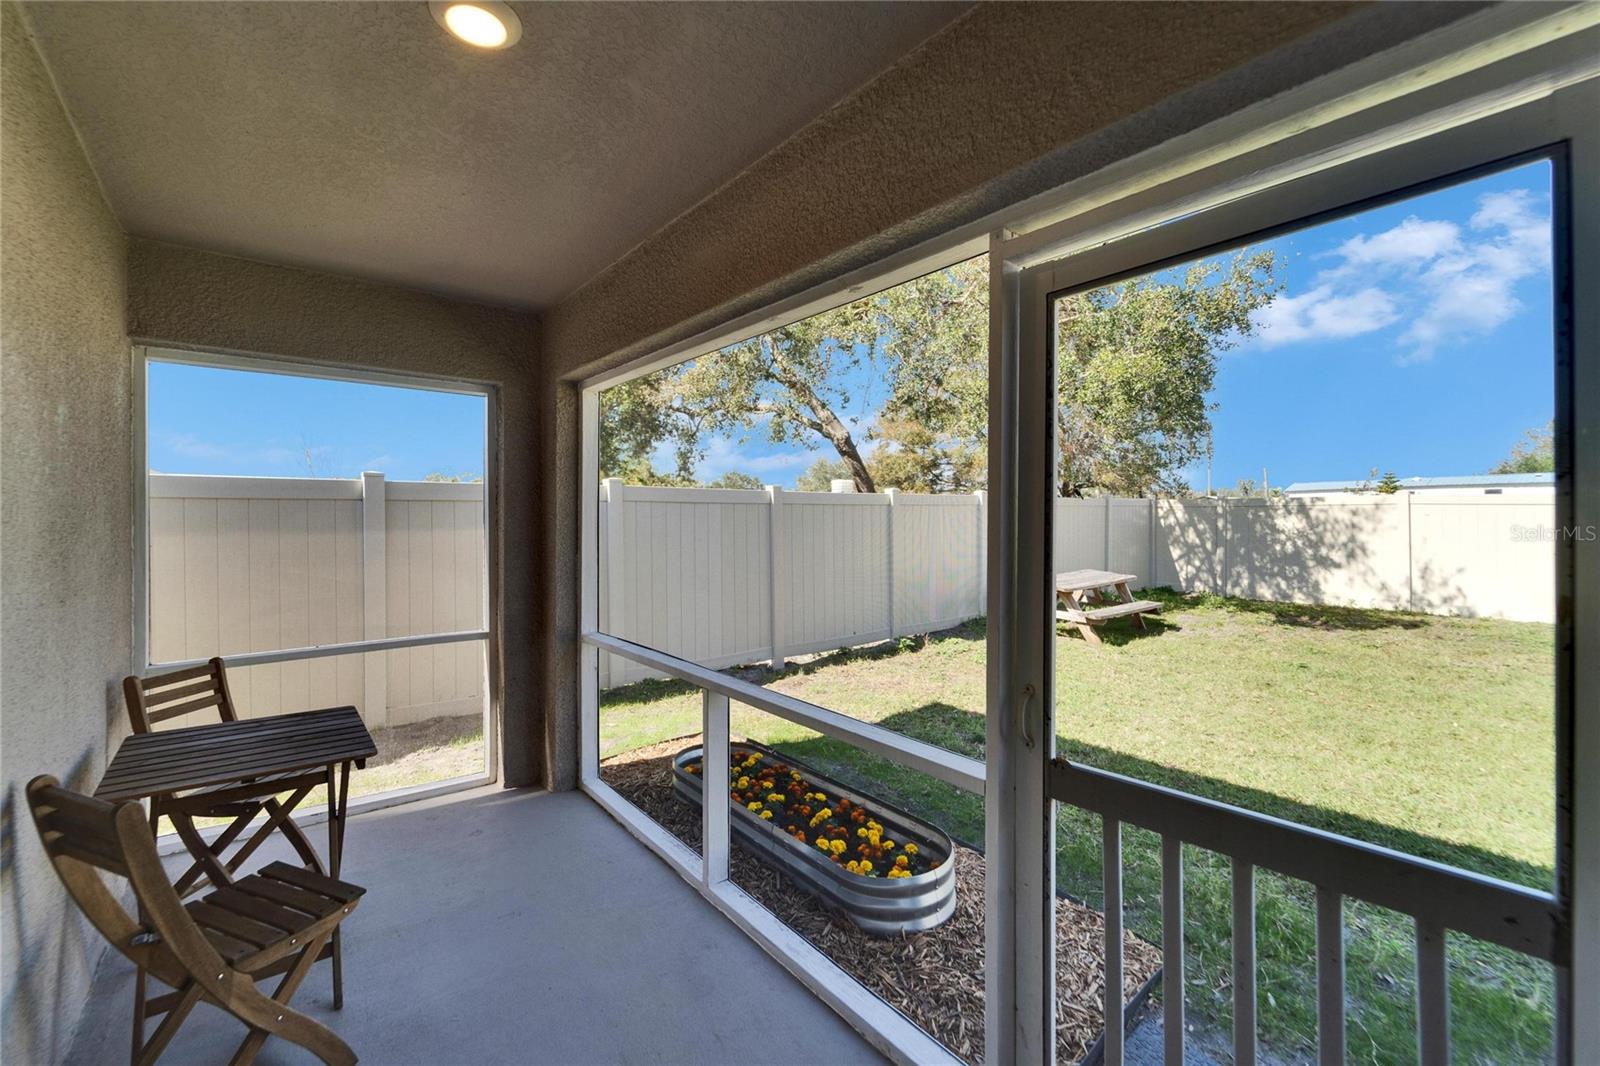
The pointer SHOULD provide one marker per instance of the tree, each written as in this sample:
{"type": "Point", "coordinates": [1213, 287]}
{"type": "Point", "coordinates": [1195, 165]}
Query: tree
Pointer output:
{"type": "Point", "coordinates": [733, 479]}
{"type": "Point", "coordinates": [1388, 485]}
{"type": "Point", "coordinates": [913, 458]}
{"type": "Point", "coordinates": [1535, 453]}
{"type": "Point", "coordinates": [790, 384]}
{"type": "Point", "coordinates": [819, 476]}
{"type": "Point", "coordinates": [453, 479]}
{"type": "Point", "coordinates": [1135, 362]}
{"type": "Point", "coordinates": [635, 418]}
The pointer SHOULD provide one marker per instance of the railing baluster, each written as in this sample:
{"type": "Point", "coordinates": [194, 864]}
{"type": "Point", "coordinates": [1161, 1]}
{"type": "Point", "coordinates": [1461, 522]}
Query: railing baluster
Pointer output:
{"type": "Point", "coordinates": [1244, 963]}
{"type": "Point", "coordinates": [1111, 858]}
{"type": "Point", "coordinates": [714, 775]}
{"type": "Point", "coordinates": [1433, 996]}
{"type": "Point", "coordinates": [1330, 977]}
{"type": "Point", "coordinates": [1172, 947]}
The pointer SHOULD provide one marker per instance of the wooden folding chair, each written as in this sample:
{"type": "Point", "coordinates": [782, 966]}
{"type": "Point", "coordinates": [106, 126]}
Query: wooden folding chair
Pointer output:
{"type": "Point", "coordinates": [152, 700]}
{"type": "Point", "coordinates": [278, 921]}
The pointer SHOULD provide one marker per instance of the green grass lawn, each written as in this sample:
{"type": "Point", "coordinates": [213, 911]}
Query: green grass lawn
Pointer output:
{"type": "Point", "coordinates": [1430, 735]}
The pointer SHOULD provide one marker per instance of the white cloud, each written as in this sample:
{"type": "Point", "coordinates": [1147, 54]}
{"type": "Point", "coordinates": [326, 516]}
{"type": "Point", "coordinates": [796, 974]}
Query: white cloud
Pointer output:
{"type": "Point", "coordinates": [1473, 290]}
{"type": "Point", "coordinates": [1446, 282]}
{"type": "Point", "coordinates": [1324, 313]}
{"type": "Point", "coordinates": [1412, 241]}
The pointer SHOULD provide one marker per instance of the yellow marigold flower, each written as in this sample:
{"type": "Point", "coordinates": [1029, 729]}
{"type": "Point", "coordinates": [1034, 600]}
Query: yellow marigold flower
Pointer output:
{"type": "Point", "coordinates": [902, 862]}
{"type": "Point", "coordinates": [774, 797]}
{"type": "Point", "coordinates": [820, 796]}
{"type": "Point", "coordinates": [866, 866]}
{"type": "Point", "coordinates": [743, 782]}
{"type": "Point", "coordinates": [754, 805]}
{"type": "Point", "coordinates": [911, 849]}
{"type": "Point", "coordinates": [837, 846]}
{"type": "Point", "coordinates": [861, 833]}
{"type": "Point", "coordinates": [766, 815]}
{"type": "Point", "coordinates": [888, 845]}
{"type": "Point", "coordinates": [823, 844]}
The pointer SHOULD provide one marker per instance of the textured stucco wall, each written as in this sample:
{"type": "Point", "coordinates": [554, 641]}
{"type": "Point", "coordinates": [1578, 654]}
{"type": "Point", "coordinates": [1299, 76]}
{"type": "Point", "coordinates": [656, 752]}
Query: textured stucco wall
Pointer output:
{"type": "Point", "coordinates": [1011, 101]}
{"type": "Point", "coordinates": [187, 297]}
{"type": "Point", "coordinates": [65, 529]}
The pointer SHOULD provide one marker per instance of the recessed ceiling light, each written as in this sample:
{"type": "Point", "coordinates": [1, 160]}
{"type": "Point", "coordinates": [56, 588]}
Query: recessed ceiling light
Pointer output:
{"type": "Point", "coordinates": [480, 23]}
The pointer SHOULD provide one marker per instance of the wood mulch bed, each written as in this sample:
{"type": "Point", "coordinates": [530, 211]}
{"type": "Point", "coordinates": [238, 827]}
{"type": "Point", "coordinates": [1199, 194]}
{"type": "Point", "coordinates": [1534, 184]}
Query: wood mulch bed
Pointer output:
{"type": "Point", "coordinates": [934, 978]}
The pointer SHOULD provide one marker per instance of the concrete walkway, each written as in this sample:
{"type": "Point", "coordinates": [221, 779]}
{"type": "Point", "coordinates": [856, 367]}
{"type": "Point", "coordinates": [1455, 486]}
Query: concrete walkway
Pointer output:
{"type": "Point", "coordinates": [520, 927]}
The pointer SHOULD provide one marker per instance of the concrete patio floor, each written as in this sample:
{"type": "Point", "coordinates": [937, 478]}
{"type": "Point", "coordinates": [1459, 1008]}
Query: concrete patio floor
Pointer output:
{"type": "Point", "coordinates": [519, 927]}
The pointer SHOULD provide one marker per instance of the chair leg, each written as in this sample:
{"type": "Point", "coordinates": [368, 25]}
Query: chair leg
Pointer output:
{"type": "Point", "coordinates": [138, 1014]}
{"type": "Point", "coordinates": [296, 836]}
{"type": "Point", "coordinates": [274, 1017]}
{"type": "Point", "coordinates": [195, 877]}
{"type": "Point", "coordinates": [338, 972]}
{"type": "Point", "coordinates": [147, 1055]}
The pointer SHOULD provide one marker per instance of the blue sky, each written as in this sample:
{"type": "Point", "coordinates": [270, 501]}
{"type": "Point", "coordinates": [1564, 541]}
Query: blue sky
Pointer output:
{"type": "Point", "coordinates": [209, 421]}
{"type": "Point", "coordinates": [1415, 338]}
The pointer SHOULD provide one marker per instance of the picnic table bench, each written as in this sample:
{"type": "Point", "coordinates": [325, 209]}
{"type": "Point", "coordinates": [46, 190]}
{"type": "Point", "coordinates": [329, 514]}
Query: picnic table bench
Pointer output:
{"type": "Point", "coordinates": [1089, 598]}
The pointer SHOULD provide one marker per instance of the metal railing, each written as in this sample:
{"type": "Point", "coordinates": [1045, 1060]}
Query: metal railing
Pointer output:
{"type": "Point", "coordinates": [890, 1031]}
{"type": "Point", "coordinates": [930, 759]}
{"type": "Point", "coordinates": [1435, 896]}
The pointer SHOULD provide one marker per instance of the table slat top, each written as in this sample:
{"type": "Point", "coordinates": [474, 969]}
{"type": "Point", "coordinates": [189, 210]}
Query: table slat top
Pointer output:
{"type": "Point", "coordinates": [176, 760]}
{"type": "Point", "coordinates": [1078, 580]}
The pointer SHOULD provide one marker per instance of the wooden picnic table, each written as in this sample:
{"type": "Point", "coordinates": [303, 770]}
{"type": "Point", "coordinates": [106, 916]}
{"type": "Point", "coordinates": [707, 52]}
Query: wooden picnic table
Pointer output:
{"type": "Point", "coordinates": [196, 768]}
{"type": "Point", "coordinates": [1089, 598]}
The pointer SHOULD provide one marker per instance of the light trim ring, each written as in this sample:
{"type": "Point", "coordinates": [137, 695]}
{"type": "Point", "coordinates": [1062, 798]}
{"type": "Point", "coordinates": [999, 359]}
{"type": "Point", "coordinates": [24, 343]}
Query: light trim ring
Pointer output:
{"type": "Point", "coordinates": [486, 25]}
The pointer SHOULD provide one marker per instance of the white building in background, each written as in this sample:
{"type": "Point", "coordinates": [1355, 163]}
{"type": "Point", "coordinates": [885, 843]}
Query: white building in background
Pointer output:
{"type": "Point", "coordinates": [1488, 484]}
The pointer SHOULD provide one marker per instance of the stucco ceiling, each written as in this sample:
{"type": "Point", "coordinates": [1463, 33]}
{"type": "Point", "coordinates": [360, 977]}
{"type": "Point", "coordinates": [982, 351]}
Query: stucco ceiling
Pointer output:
{"type": "Point", "coordinates": [358, 138]}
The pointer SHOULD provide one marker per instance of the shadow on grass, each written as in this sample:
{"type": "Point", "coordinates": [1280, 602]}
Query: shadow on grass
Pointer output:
{"type": "Point", "coordinates": [962, 731]}
{"type": "Point", "coordinates": [1301, 615]}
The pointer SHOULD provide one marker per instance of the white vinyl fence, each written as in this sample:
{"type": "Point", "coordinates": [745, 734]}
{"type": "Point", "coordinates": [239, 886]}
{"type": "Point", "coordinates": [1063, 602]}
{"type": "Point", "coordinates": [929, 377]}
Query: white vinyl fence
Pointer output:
{"type": "Point", "coordinates": [723, 577]}
{"type": "Point", "coordinates": [260, 564]}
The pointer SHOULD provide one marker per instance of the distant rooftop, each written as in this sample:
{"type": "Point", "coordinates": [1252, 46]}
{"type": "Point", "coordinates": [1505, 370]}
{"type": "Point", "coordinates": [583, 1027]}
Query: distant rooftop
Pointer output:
{"type": "Point", "coordinates": [1464, 481]}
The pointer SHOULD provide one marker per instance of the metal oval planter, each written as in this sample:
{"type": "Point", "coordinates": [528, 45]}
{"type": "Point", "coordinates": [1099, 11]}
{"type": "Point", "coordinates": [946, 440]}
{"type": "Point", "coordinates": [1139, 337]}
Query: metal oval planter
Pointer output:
{"type": "Point", "coordinates": [877, 905]}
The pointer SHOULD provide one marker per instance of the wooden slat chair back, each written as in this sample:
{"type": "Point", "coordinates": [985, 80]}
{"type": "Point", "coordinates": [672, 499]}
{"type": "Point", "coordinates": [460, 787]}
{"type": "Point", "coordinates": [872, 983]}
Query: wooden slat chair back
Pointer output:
{"type": "Point", "coordinates": [280, 921]}
{"type": "Point", "coordinates": [152, 700]}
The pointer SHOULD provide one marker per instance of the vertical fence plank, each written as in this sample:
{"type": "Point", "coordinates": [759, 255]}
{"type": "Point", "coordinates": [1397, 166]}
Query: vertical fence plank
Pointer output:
{"type": "Point", "coordinates": [265, 632]}
{"type": "Point", "coordinates": [888, 554]}
{"type": "Point", "coordinates": [1330, 977]}
{"type": "Point", "coordinates": [294, 597]}
{"type": "Point", "coordinates": [375, 596]}
{"type": "Point", "coordinates": [776, 562]}
{"type": "Point", "coordinates": [1111, 861]}
{"type": "Point", "coordinates": [1172, 948]}
{"type": "Point", "coordinates": [981, 608]}
{"type": "Point", "coordinates": [1433, 996]}
{"type": "Point", "coordinates": [1244, 964]}
{"type": "Point", "coordinates": [714, 783]}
